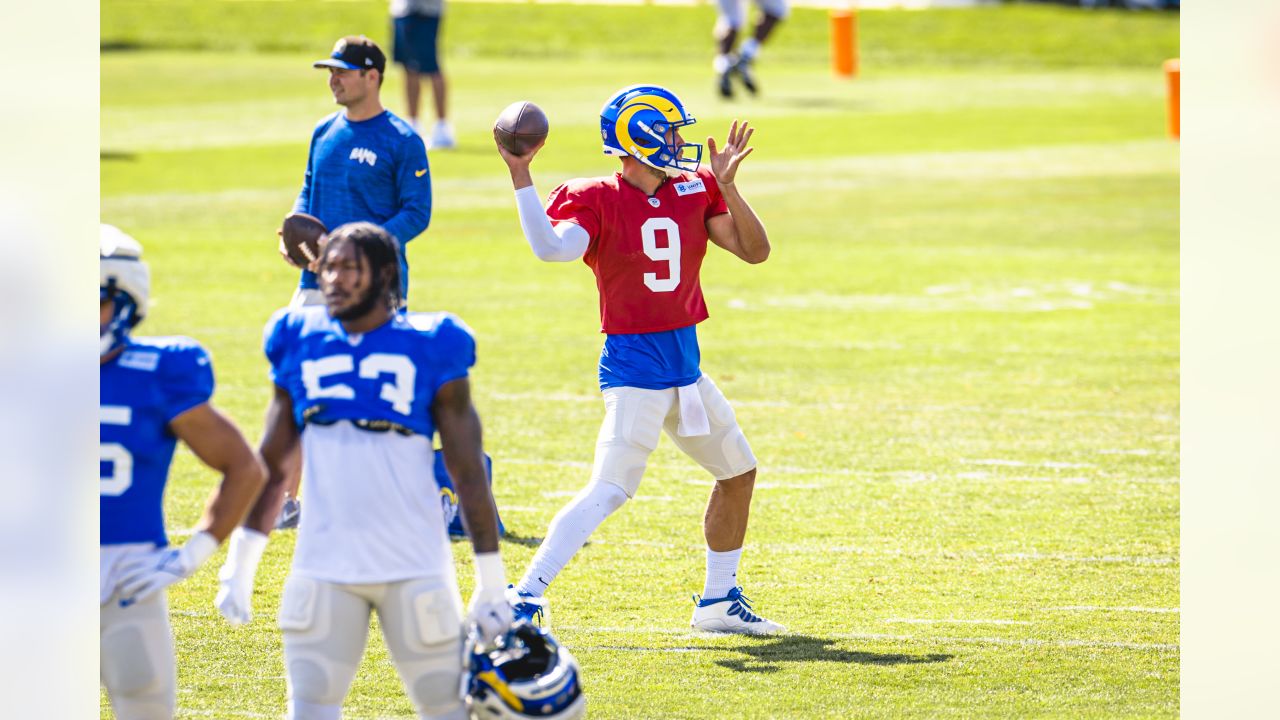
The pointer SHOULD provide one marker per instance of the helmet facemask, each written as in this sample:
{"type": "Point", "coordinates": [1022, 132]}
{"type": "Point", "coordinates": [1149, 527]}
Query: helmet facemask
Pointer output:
{"type": "Point", "coordinates": [672, 159]}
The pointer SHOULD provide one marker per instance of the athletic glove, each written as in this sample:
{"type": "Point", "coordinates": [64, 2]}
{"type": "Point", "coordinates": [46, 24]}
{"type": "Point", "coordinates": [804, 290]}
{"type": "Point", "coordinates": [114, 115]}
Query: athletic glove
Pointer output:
{"type": "Point", "coordinates": [235, 579]}
{"type": "Point", "coordinates": [490, 613]}
{"type": "Point", "coordinates": [163, 567]}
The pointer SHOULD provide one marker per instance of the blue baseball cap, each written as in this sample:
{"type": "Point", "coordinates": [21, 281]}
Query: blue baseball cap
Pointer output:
{"type": "Point", "coordinates": [355, 52]}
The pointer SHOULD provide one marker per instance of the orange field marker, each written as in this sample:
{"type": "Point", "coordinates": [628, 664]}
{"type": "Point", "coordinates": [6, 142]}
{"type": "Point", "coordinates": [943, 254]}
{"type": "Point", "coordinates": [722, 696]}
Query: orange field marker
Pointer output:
{"type": "Point", "coordinates": [844, 43]}
{"type": "Point", "coordinates": [1172, 79]}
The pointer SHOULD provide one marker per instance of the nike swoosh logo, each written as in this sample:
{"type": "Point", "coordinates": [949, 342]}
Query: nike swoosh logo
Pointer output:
{"type": "Point", "coordinates": [420, 173]}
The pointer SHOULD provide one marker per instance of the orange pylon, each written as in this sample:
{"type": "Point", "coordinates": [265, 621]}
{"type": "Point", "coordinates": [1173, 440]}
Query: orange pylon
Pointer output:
{"type": "Point", "coordinates": [844, 43]}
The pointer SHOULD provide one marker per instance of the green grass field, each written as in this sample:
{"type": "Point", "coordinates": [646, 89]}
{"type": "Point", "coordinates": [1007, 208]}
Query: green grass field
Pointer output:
{"type": "Point", "coordinates": [959, 368]}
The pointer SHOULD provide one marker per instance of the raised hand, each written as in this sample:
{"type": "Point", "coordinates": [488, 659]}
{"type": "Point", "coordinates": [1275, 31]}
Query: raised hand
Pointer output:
{"type": "Point", "coordinates": [514, 159]}
{"type": "Point", "coordinates": [724, 162]}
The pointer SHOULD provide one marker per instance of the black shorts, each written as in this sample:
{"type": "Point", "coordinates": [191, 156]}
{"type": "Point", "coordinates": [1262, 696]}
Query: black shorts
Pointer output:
{"type": "Point", "coordinates": [415, 43]}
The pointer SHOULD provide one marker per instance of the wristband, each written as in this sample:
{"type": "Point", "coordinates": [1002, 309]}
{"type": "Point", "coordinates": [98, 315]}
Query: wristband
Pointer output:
{"type": "Point", "coordinates": [490, 574]}
{"type": "Point", "coordinates": [199, 548]}
{"type": "Point", "coordinates": [245, 551]}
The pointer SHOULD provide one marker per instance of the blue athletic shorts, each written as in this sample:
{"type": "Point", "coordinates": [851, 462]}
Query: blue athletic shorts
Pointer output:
{"type": "Point", "coordinates": [415, 43]}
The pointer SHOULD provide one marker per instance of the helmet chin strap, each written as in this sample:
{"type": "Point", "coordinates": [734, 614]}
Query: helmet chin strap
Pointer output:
{"type": "Point", "coordinates": [106, 341]}
{"type": "Point", "coordinates": [116, 331]}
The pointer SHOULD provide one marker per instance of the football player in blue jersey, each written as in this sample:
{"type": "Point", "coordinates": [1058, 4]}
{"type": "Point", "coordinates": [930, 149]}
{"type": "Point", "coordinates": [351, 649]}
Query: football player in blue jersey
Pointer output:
{"type": "Point", "coordinates": [363, 388]}
{"type": "Point", "coordinates": [154, 392]}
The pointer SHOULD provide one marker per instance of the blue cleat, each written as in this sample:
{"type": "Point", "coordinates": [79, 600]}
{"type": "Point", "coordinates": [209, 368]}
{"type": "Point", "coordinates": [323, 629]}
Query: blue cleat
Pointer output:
{"type": "Point", "coordinates": [730, 614]}
{"type": "Point", "coordinates": [528, 606]}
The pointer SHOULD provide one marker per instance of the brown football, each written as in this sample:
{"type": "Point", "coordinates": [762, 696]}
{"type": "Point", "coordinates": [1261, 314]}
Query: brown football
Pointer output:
{"type": "Point", "coordinates": [300, 238]}
{"type": "Point", "coordinates": [521, 126]}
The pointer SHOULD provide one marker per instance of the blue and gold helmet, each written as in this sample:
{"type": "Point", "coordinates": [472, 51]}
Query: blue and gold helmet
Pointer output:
{"type": "Point", "coordinates": [635, 122]}
{"type": "Point", "coordinates": [527, 676]}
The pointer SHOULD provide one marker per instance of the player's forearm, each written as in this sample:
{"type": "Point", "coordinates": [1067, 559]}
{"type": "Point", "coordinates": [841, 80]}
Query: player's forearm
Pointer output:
{"type": "Point", "coordinates": [279, 453]}
{"type": "Point", "coordinates": [460, 438]}
{"type": "Point", "coordinates": [479, 512]}
{"type": "Point", "coordinates": [262, 516]}
{"type": "Point", "coordinates": [242, 483]}
{"type": "Point", "coordinates": [753, 241]}
{"type": "Point", "coordinates": [563, 243]}
{"type": "Point", "coordinates": [409, 223]}
{"type": "Point", "coordinates": [520, 176]}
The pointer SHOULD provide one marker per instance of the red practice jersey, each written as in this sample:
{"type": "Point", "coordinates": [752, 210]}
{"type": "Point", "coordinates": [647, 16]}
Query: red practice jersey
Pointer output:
{"type": "Point", "coordinates": [646, 251]}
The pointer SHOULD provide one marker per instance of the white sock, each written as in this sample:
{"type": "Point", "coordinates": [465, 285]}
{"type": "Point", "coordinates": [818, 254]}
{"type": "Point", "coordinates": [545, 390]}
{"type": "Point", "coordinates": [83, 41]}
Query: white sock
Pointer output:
{"type": "Point", "coordinates": [750, 48]}
{"type": "Point", "coordinates": [722, 573]}
{"type": "Point", "coordinates": [722, 63]}
{"type": "Point", "coordinates": [569, 532]}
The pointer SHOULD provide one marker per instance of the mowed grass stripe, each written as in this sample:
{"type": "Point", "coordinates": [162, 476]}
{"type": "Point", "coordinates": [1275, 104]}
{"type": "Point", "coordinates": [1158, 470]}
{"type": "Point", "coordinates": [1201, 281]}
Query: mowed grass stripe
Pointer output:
{"type": "Point", "coordinates": [768, 177]}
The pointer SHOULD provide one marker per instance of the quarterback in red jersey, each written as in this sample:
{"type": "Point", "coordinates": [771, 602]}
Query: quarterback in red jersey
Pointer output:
{"type": "Point", "coordinates": [644, 233]}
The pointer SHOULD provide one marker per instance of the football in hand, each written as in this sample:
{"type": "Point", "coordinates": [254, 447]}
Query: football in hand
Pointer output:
{"type": "Point", "coordinates": [300, 238]}
{"type": "Point", "coordinates": [520, 127]}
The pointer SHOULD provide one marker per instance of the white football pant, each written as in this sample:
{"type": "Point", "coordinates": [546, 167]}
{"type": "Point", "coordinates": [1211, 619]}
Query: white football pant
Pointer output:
{"type": "Point", "coordinates": [137, 660]}
{"type": "Point", "coordinates": [326, 626]}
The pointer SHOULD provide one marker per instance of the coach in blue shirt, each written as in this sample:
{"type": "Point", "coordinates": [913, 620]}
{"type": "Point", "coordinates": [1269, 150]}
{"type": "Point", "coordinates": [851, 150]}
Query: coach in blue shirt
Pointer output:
{"type": "Point", "coordinates": [365, 164]}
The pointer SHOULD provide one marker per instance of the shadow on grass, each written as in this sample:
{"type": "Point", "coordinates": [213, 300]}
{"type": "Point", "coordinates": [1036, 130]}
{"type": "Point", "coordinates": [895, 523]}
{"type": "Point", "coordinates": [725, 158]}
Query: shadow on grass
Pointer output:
{"type": "Point", "coordinates": [525, 540]}
{"type": "Point", "coordinates": [510, 537]}
{"type": "Point", "coordinates": [114, 155]}
{"type": "Point", "coordinates": [766, 656]}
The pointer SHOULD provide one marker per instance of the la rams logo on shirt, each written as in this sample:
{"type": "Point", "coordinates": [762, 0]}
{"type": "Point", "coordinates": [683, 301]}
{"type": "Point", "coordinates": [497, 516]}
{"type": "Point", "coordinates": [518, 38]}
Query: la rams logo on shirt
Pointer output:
{"type": "Point", "coordinates": [691, 187]}
{"type": "Point", "coordinates": [368, 156]}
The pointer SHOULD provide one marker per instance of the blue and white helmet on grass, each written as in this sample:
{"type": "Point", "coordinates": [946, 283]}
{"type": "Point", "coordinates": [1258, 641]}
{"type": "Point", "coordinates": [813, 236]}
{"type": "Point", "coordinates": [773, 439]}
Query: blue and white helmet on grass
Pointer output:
{"type": "Point", "coordinates": [125, 280]}
{"type": "Point", "coordinates": [635, 122]}
{"type": "Point", "coordinates": [528, 675]}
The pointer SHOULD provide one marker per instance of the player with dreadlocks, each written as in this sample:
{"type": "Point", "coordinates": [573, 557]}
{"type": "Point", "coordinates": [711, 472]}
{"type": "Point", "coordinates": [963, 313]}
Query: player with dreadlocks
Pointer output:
{"type": "Point", "coordinates": [363, 388]}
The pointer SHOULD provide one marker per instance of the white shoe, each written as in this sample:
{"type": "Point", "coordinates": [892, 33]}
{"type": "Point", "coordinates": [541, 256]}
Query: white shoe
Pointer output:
{"type": "Point", "coordinates": [730, 614]}
{"type": "Point", "coordinates": [442, 137]}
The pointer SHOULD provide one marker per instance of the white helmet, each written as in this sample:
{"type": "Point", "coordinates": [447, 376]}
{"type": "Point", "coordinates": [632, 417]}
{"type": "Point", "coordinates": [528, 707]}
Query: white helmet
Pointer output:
{"type": "Point", "coordinates": [125, 279]}
{"type": "Point", "coordinates": [529, 675]}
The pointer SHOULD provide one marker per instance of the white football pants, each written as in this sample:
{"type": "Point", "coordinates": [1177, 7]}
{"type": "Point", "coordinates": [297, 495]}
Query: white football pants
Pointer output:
{"type": "Point", "coordinates": [137, 665]}
{"type": "Point", "coordinates": [326, 626]}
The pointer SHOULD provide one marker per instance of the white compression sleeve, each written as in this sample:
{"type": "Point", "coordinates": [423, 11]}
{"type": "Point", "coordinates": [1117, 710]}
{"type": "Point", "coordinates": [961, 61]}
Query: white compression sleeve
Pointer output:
{"type": "Point", "coordinates": [565, 242]}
